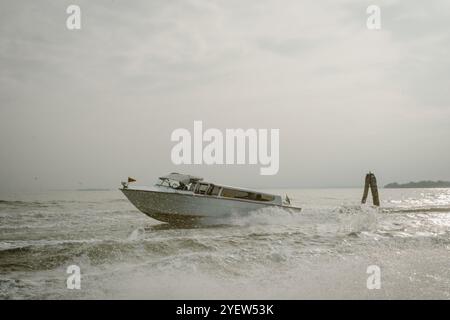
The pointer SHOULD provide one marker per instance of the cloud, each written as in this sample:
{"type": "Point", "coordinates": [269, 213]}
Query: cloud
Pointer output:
{"type": "Point", "coordinates": [93, 105]}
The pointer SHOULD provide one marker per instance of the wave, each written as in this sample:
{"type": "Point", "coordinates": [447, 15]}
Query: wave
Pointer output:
{"type": "Point", "coordinates": [46, 204]}
{"type": "Point", "coordinates": [34, 204]}
{"type": "Point", "coordinates": [416, 209]}
{"type": "Point", "coordinates": [14, 202]}
{"type": "Point", "coordinates": [311, 224]}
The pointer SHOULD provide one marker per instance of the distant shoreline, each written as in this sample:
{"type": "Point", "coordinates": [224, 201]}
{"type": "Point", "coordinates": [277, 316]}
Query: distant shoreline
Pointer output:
{"type": "Point", "coordinates": [419, 184]}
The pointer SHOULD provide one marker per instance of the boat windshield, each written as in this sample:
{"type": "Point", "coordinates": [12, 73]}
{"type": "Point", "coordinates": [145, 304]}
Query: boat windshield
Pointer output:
{"type": "Point", "coordinates": [177, 185]}
{"type": "Point", "coordinates": [179, 181]}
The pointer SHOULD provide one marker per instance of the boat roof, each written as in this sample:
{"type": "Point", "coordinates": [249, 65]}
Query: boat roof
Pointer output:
{"type": "Point", "coordinates": [182, 178]}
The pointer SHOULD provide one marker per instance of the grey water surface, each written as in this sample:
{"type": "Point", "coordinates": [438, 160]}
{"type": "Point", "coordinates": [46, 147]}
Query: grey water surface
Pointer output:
{"type": "Point", "coordinates": [322, 252]}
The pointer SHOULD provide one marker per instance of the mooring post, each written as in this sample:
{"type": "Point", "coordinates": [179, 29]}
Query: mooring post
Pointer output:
{"type": "Point", "coordinates": [371, 181]}
{"type": "Point", "coordinates": [374, 190]}
{"type": "Point", "coordinates": [366, 188]}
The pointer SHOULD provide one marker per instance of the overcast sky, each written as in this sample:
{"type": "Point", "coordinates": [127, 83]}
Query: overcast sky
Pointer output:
{"type": "Point", "coordinates": [89, 107]}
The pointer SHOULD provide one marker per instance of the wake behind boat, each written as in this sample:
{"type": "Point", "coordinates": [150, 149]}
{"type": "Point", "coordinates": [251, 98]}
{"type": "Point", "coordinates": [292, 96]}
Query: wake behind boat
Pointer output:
{"type": "Point", "coordinates": [185, 199]}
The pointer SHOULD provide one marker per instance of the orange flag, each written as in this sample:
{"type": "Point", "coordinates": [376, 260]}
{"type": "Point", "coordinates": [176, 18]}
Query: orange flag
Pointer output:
{"type": "Point", "coordinates": [131, 180]}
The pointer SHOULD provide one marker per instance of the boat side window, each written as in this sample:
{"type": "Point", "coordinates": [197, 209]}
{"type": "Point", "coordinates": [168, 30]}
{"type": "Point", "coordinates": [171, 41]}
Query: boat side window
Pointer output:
{"type": "Point", "coordinates": [267, 197]}
{"type": "Point", "coordinates": [201, 188]}
{"type": "Point", "coordinates": [214, 191]}
{"type": "Point", "coordinates": [240, 194]}
{"type": "Point", "coordinates": [196, 186]}
{"type": "Point", "coordinates": [210, 189]}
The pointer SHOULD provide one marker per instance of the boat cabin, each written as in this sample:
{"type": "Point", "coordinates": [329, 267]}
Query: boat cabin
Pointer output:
{"type": "Point", "coordinates": [196, 185]}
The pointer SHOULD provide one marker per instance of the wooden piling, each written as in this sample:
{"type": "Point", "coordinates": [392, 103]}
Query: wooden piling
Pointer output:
{"type": "Point", "coordinates": [374, 190]}
{"type": "Point", "coordinates": [366, 188]}
{"type": "Point", "coordinates": [371, 182]}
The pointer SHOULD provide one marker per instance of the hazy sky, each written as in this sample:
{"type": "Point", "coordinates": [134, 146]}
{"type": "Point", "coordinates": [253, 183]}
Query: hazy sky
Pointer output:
{"type": "Point", "coordinates": [89, 107]}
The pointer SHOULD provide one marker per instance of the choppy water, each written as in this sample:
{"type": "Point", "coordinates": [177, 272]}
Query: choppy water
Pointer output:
{"type": "Point", "coordinates": [322, 252]}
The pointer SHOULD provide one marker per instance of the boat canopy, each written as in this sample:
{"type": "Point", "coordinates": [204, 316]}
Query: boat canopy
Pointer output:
{"type": "Point", "coordinates": [181, 178]}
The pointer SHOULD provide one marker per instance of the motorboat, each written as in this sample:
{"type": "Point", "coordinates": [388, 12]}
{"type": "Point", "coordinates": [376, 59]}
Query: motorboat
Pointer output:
{"type": "Point", "coordinates": [185, 199]}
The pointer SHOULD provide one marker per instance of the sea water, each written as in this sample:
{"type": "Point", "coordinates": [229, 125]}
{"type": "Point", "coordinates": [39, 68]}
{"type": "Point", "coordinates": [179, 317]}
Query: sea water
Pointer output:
{"type": "Point", "coordinates": [325, 251]}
